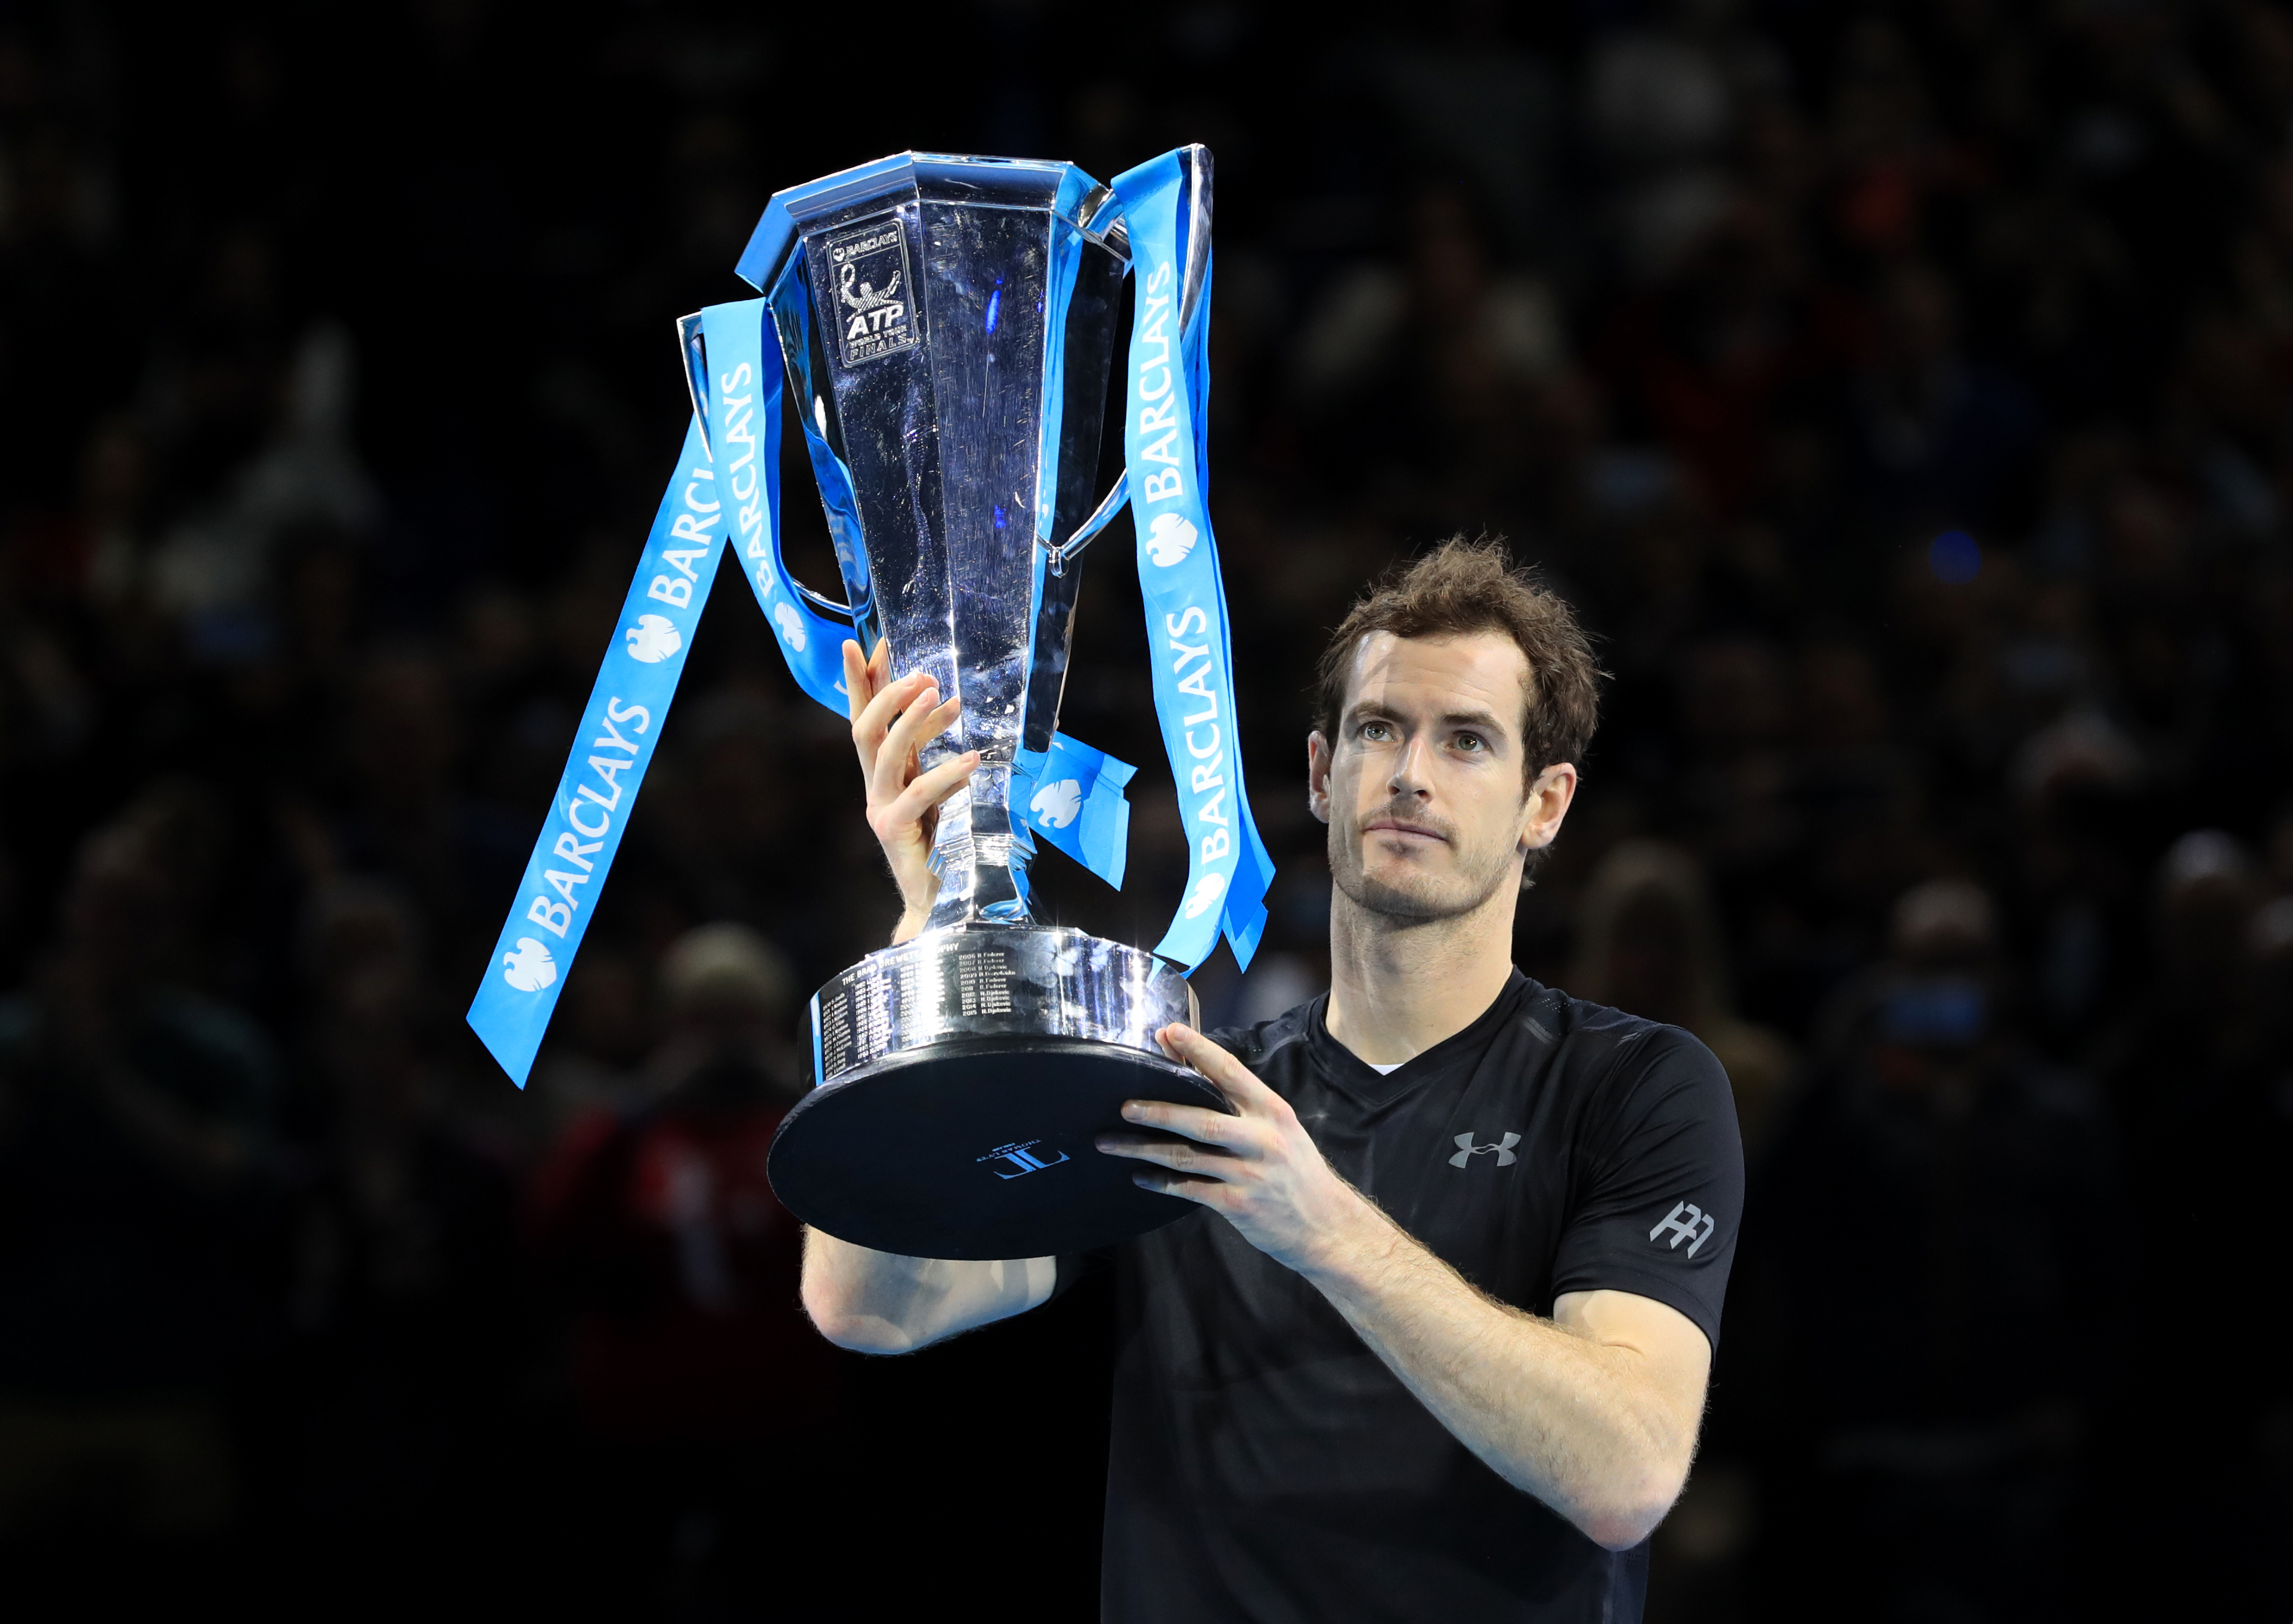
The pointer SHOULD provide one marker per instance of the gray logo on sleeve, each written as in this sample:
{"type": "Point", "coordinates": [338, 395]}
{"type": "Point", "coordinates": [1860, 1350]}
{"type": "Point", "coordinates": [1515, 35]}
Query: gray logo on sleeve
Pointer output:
{"type": "Point", "coordinates": [1686, 1221]}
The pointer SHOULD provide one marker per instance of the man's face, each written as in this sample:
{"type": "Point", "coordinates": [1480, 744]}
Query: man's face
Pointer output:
{"type": "Point", "coordinates": [1424, 788]}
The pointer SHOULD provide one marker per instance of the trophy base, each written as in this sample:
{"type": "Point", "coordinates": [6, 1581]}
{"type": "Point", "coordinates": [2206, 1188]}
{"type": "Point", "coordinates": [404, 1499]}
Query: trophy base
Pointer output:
{"type": "Point", "coordinates": [981, 1150]}
{"type": "Point", "coordinates": [961, 1079]}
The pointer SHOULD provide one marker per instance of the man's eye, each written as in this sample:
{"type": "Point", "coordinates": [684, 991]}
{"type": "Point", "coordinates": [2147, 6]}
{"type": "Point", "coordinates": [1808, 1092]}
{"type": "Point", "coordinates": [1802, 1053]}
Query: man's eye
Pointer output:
{"type": "Point", "coordinates": [1377, 731]}
{"type": "Point", "coordinates": [1472, 741]}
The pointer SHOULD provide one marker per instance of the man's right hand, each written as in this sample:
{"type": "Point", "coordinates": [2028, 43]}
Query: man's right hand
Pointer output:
{"type": "Point", "coordinates": [891, 723]}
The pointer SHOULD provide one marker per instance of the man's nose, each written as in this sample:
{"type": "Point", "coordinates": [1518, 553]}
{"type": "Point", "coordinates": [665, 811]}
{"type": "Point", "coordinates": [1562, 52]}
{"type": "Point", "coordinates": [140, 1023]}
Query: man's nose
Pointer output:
{"type": "Point", "coordinates": [1411, 770]}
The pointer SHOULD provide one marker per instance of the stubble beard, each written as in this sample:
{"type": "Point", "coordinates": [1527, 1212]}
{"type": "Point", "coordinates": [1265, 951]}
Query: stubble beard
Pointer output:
{"type": "Point", "coordinates": [1423, 898]}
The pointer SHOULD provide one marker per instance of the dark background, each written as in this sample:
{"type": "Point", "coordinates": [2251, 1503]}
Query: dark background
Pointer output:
{"type": "Point", "coordinates": [1904, 392]}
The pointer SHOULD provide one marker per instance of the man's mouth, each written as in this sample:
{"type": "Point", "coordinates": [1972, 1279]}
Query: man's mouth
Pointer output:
{"type": "Point", "coordinates": [1403, 826]}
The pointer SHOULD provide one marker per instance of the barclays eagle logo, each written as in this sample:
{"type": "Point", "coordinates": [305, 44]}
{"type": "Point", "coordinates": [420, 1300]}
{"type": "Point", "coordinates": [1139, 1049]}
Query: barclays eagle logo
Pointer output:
{"type": "Point", "coordinates": [1055, 804]}
{"type": "Point", "coordinates": [651, 640]}
{"type": "Point", "coordinates": [791, 625]}
{"type": "Point", "coordinates": [1207, 891]}
{"type": "Point", "coordinates": [1169, 538]}
{"type": "Point", "coordinates": [528, 967]}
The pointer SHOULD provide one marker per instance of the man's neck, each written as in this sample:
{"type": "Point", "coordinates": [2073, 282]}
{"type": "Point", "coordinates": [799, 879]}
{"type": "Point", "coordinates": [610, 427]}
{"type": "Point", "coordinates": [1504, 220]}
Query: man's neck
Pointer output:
{"type": "Point", "coordinates": [1399, 987]}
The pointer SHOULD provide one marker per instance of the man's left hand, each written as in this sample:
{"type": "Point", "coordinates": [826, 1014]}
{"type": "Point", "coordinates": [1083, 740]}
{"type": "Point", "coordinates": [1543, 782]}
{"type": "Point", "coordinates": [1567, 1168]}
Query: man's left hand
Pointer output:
{"type": "Point", "coordinates": [1259, 1167]}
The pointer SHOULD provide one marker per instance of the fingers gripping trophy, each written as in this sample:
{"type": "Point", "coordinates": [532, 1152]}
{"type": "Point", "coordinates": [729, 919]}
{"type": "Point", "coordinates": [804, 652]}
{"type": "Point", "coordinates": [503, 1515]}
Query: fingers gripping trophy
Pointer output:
{"type": "Point", "coordinates": [944, 328]}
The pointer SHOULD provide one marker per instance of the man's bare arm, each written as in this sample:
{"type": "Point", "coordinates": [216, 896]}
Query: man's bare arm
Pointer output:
{"type": "Point", "coordinates": [1594, 1411]}
{"type": "Point", "coordinates": [876, 1303]}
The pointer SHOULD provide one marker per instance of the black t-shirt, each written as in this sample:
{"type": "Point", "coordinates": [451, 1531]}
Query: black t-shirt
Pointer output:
{"type": "Point", "coordinates": [1266, 1466]}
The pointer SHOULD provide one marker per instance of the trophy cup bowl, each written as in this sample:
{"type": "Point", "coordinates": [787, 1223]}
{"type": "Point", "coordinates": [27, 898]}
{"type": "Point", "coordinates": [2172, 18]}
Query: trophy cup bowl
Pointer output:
{"type": "Point", "coordinates": [948, 325]}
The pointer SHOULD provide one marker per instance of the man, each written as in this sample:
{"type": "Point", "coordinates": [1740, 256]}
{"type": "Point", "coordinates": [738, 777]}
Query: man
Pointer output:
{"type": "Point", "coordinates": [1436, 1346]}
{"type": "Point", "coordinates": [707, 1402]}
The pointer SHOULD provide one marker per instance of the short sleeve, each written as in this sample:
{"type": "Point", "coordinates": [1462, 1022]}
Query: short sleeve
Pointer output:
{"type": "Point", "coordinates": [1076, 1267]}
{"type": "Point", "coordinates": [1659, 1181]}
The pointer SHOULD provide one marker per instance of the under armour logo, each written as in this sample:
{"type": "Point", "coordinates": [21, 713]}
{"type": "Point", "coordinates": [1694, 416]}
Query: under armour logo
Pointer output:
{"type": "Point", "coordinates": [1687, 1222]}
{"type": "Point", "coordinates": [1467, 1150]}
{"type": "Point", "coordinates": [1022, 1157]}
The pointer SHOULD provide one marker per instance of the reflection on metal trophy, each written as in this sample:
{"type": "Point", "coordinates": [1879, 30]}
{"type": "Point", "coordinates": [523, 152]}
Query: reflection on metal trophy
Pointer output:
{"type": "Point", "coordinates": [944, 328]}
{"type": "Point", "coordinates": [949, 328]}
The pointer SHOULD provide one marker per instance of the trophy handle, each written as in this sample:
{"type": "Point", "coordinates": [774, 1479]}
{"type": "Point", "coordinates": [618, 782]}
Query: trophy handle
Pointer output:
{"type": "Point", "coordinates": [1090, 526]}
{"type": "Point", "coordinates": [1108, 226]}
{"type": "Point", "coordinates": [1198, 233]}
{"type": "Point", "coordinates": [694, 347]}
{"type": "Point", "coordinates": [822, 601]}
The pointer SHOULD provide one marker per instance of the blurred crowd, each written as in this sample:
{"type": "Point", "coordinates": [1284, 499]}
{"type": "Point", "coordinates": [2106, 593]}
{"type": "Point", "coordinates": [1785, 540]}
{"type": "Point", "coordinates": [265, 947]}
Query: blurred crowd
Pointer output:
{"type": "Point", "coordinates": [1905, 392]}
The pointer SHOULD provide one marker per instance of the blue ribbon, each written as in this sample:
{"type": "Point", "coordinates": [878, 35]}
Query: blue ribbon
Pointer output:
{"type": "Point", "coordinates": [727, 484]}
{"type": "Point", "coordinates": [1166, 416]}
{"type": "Point", "coordinates": [1071, 796]}
{"type": "Point", "coordinates": [745, 358]}
{"type": "Point", "coordinates": [610, 753]}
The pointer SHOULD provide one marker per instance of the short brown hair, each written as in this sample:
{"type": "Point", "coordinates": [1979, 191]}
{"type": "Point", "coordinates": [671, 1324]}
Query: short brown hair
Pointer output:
{"type": "Point", "coordinates": [1463, 587]}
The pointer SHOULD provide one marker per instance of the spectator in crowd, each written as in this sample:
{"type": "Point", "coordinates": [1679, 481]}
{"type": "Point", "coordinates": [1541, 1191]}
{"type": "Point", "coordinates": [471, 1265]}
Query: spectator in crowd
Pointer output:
{"type": "Point", "coordinates": [2192, 1064]}
{"type": "Point", "coordinates": [1647, 943]}
{"type": "Point", "coordinates": [692, 1360]}
{"type": "Point", "coordinates": [1948, 1206]}
{"type": "Point", "coordinates": [139, 1171]}
{"type": "Point", "coordinates": [402, 1294]}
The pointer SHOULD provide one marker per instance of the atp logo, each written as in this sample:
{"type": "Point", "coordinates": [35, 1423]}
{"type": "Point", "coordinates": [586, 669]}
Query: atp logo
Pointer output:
{"type": "Point", "coordinates": [791, 625]}
{"type": "Point", "coordinates": [1207, 891]}
{"type": "Point", "coordinates": [1057, 805]}
{"type": "Point", "coordinates": [653, 639]}
{"type": "Point", "coordinates": [528, 967]}
{"type": "Point", "coordinates": [1467, 1149]}
{"type": "Point", "coordinates": [1169, 538]}
{"type": "Point", "coordinates": [1686, 1221]}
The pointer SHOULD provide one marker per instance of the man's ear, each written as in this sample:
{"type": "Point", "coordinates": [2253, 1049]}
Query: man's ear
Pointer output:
{"type": "Point", "coordinates": [1317, 776]}
{"type": "Point", "coordinates": [1546, 805]}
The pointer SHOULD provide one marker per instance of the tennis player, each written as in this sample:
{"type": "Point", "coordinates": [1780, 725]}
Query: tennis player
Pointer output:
{"type": "Point", "coordinates": [1435, 1345]}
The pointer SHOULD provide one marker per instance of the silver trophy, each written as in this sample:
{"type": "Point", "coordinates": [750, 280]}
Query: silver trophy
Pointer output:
{"type": "Point", "coordinates": [948, 325]}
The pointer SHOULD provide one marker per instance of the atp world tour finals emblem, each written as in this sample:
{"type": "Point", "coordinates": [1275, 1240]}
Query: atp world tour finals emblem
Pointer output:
{"type": "Point", "coordinates": [947, 328]}
{"type": "Point", "coordinates": [874, 296]}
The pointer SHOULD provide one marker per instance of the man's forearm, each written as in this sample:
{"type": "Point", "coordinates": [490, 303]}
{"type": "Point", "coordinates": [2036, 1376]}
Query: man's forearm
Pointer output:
{"type": "Point", "coordinates": [1556, 1414]}
{"type": "Point", "coordinates": [879, 1302]}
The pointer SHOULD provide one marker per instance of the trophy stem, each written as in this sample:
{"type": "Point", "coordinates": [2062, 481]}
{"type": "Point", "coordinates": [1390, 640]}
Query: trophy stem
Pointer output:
{"type": "Point", "coordinates": [975, 855]}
